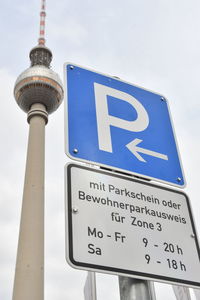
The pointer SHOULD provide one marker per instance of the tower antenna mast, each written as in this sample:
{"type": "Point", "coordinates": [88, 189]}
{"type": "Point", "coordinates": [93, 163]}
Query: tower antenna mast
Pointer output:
{"type": "Point", "coordinates": [41, 40]}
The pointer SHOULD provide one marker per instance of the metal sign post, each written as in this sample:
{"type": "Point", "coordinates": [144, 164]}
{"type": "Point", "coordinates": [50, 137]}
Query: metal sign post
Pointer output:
{"type": "Point", "coordinates": [197, 294]}
{"type": "Point", "coordinates": [181, 292]}
{"type": "Point", "coordinates": [90, 287]}
{"type": "Point", "coordinates": [131, 288]}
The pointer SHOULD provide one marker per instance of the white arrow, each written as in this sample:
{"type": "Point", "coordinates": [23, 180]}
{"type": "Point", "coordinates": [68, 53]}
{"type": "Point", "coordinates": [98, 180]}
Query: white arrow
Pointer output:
{"type": "Point", "coordinates": [132, 146]}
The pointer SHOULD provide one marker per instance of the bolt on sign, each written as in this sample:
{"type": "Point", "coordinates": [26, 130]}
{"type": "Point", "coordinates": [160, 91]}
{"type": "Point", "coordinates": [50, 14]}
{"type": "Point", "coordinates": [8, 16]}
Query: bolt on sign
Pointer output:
{"type": "Point", "coordinates": [123, 226]}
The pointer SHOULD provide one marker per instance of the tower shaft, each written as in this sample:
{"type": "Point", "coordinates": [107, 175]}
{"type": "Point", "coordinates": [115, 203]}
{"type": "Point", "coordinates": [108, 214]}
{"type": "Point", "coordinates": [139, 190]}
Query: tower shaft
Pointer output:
{"type": "Point", "coordinates": [29, 274]}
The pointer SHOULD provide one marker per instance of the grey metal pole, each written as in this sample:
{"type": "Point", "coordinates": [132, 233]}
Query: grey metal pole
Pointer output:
{"type": "Point", "coordinates": [134, 289]}
{"type": "Point", "coordinates": [29, 273]}
{"type": "Point", "coordinates": [90, 292]}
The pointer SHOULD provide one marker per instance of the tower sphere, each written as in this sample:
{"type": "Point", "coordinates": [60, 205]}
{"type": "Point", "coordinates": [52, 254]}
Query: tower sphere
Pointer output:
{"type": "Point", "coordinates": [39, 84]}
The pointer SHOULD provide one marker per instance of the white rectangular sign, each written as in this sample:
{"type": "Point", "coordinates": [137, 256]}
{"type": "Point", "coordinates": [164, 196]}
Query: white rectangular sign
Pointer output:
{"type": "Point", "coordinates": [119, 225]}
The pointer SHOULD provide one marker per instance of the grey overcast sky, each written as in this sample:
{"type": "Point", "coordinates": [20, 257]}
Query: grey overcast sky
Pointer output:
{"type": "Point", "coordinates": [154, 44]}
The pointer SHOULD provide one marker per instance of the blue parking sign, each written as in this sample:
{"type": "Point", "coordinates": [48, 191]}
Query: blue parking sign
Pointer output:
{"type": "Point", "coordinates": [119, 126]}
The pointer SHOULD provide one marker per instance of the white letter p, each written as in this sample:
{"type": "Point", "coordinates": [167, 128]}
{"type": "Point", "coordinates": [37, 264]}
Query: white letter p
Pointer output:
{"type": "Point", "coordinates": [104, 120]}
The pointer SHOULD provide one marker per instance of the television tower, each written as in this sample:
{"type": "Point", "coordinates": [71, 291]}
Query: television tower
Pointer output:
{"type": "Point", "coordinates": [38, 91]}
